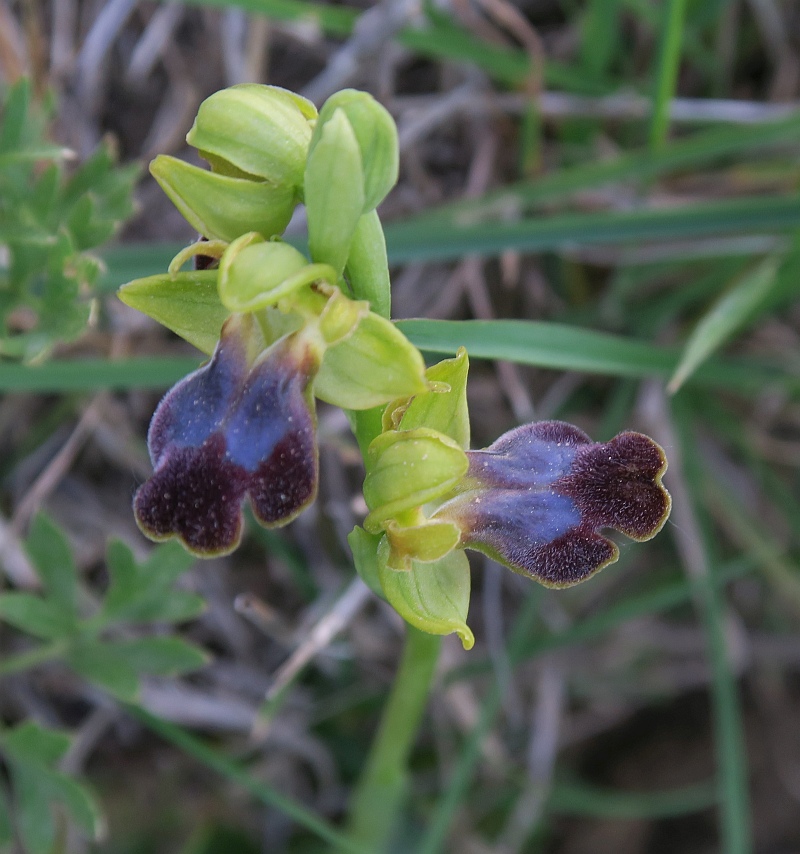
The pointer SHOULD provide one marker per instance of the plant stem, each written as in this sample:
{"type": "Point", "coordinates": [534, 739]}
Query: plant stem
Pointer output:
{"type": "Point", "coordinates": [381, 790]}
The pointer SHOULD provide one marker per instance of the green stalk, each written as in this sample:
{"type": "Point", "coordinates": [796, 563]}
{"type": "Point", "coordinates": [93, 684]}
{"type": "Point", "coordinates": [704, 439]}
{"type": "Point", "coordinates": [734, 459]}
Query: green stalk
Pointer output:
{"type": "Point", "coordinates": [382, 788]}
{"type": "Point", "coordinates": [668, 65]}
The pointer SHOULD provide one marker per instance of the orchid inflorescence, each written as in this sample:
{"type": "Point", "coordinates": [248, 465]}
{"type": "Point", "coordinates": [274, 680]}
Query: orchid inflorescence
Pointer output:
{"type": "Point", "coordinates": [282, 329]}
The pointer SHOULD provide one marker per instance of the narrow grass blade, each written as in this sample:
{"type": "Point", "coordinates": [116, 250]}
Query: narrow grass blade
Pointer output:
{"type": "Point", "coordinates": [95, 374]}
{"type": "Point", "coordinates": [667, 75]}
{"type": "Point", "coordinates": [447, 241]}
{"type": "Point", "coordinates": [571, 348]}
{"type": "Point", "coordinates": [546, 345]}
{"type": "Point", "coordinates": [725, 318]}
{"type": "Point", "coordinates": [580, 799]}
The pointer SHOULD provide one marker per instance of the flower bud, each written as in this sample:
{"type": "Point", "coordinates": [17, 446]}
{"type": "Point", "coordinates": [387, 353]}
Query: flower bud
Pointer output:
{"type": "Point", "coordinates": [352, 164]}
{"type": "Point", "coordinates": [443, 406]}
{"type": "Point", "coordinates": [334, 191]}
{"type": "Point", "coordinates": [262, 131]}
{"type": "Point", "coordinates": [376, 135]}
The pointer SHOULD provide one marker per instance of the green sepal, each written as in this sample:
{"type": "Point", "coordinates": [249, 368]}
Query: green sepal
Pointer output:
{"type": "Point", "coordinates": [334, 191]}
{"type": "Point", "coordinates": [423, 543]}
{"type": "Point", "coordinates": [187, 303]}
{"type": "Point", "coordinates": [220, 206]}
{"type": "Point", "coordinates": [365, 558]}
{"type": "Point", "coordinates": [340, 317]}
{"type": "Point", "coordinates": [376, 135]}
{"type": "Point", "coordinates": [367, 267]}
{"type": "Point", "coordinates": [433, 597]}
{"type": "Point", "coordinates": [406, 469]}
{"type": "Point", "coordinates": [260, 130]}
{"type": "Point", "coordinates": [254, 273]}
{"type": "Point", "coordinates": [443, 407]}
{"type": "Point", "coordinates": [372, 366]}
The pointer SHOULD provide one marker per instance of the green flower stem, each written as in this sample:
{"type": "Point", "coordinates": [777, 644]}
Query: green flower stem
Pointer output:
{"type": "Point", "coordinates": [379, 794]}
{"type": "Point", "coordinates": [32, 657]}
{"type": "Point", "coordinates": [381, 790]}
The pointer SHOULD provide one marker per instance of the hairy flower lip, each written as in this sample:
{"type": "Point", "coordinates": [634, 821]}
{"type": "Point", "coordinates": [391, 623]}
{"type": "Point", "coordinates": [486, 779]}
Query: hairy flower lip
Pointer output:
{"type": "Point", "coordinates": [237, 428]}
{"type": "Point", "coordinates": [536, 499]}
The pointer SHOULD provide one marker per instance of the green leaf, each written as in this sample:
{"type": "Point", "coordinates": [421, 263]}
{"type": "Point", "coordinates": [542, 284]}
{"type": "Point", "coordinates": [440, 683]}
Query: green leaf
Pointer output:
{"type": "Point", "coordinates": [223, 207]}
{"type": "Point", "coordinates": [102, 664]}
{"type": "Point", "coordinates": [30, 743]}
{"type": "Point", "coordinates": [572, 348]}
{"type": "Point", "coordinates": [42, 618]}
{"type": "Point", "coordinates": [30, 750]}
{"type": "Point", "coordinates": [33, 814]}
{"type": "Point", "coordinates": [433, 597]}
{"type": "Point", "coordinates": [49, 549]}
{"type": "Point", "coordinates": [160, 656]}
{"type": "Point", "coordinates": [334, 191]}
{"type": "Point", "coordinates": [15, 111]}
{"type": "Point", "coordinates": [692, 152]}
{"type": "Point", "coordinates": [143, 593]}
{"type": "Point", "coordinates": [79, 803]}
{"type": "Point", "coordinates": [125, 582]}
{"type": "Point", "coordinates": [187, 303]}
{"type": "Point", "coordinates": [6, 825]}
{"type": "Point", "coordinates": [260, 130]}
{"type": "Point", "coordinates": [725, 318]}
{"type": "Point", "coordinates": [372, 366]}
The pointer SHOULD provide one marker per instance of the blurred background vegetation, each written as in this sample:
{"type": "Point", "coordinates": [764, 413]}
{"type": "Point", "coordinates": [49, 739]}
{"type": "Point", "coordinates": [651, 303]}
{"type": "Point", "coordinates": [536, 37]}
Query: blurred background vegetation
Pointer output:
{"type": "Point", "coordinates": [601, 200]}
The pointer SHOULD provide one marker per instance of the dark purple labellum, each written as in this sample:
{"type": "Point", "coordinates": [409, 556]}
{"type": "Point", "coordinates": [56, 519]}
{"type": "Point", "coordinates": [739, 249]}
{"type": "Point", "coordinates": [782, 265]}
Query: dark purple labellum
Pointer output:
{"type": "Point", "coordinates": [228, 431]}
{"type": "Point", "coordinates": [536, 499]}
